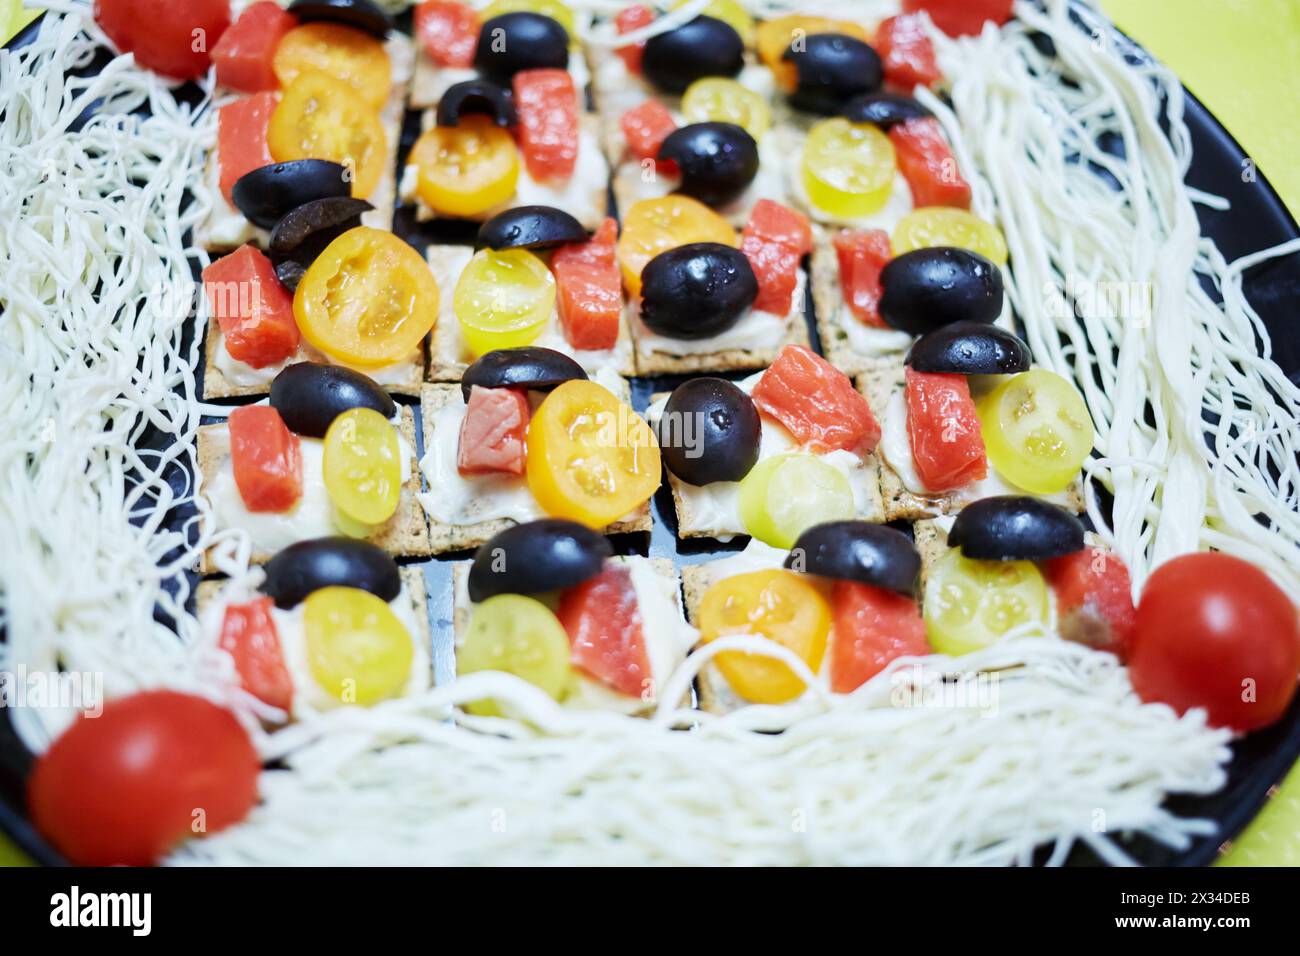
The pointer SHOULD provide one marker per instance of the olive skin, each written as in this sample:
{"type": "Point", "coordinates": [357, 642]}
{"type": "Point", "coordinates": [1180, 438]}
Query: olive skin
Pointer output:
{"type": "Point", "coordinates": [970, 348]}
{"type": "Point", "coordinates": [709, 431]}
{"type": "Point", "coordinates": [883, 109]}
{"type": "Point", "coordinates": [718, 160]}
{"type": "Point", "coordinates": [290, 273]}
{"type": "Point", "coordinates": [696, 290]}
{"type": "Point", "coordinates": [304, 232]}
{"type": "Point", "coordinates": [926, 289]}
{"type": "Point", "coordinates": [529, 366]}
{"type": "Point", "coordinates": [266, 194]}
{"type": "Point", "coordinates": [1015, 528]}
{"type": "Point", "coordinates": [858, 551]}
{"type": "Point", "coordinates": [477, 97]}
{"type": "Point", "coordinates": [832, 69]}
{"type": "Point", "coordinates": [310, 395]}
{"type": "Point", "coordinates": [358, 14]}
{"type": "Point", "coordinates": [514, 42]}
{"type": "Point", "coordinates": [537, 556]}
{"type": "Point", "coordinates": [530, 227]}
{"type": "Point", "coordinates": [674, 60]}
{"type": "Point", "coordinates": [308, 566]}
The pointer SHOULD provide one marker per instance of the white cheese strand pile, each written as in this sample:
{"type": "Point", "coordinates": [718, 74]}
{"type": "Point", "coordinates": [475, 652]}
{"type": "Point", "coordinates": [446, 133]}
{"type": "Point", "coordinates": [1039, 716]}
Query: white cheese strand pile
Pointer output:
{"type": "Point", "coordinates": [1065, 753]}
{"type": "Point", "coordinates": [90, 356]}
{"type": "Point", "coordinates": [1020, 125]}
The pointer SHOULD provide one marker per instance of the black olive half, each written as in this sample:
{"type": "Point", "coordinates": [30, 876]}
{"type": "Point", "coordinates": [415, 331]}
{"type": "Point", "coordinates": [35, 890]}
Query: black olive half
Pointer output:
{"type": "Point", "coordinates": [969, 348]}
{"type": "Point", "coordinates": [359, 14]}
{"type": "Point", "coordinates": [883, 109]}
{"type": "Point", "coordinates": [696, 290]}
{"type": "Point", "coordinates": [304, 232]}
{"type": "Point", "coordinates": [703, 47]}
{"type": "Point", "coordinates": [478, 97]}
{"type": "Point", "coordinates": [833, 68]}
{"type": "Point", "coordinates": [308, 566]}
{"type": "Point", "coordinates": [709, 431]}
{"type": "Point", "coordinates": [290, 273]}
{"type": "Point", "coordinates": [267, 193]}
{"type": "Point", "coordinates": [529, 366]}
{"type": "Point", "coordinates": [926, 289]}
{"type": "Point", "coordinates": [1015, 528]}
{"type": "Point", "coordinates": [858, 551]}
{"type": "Point", "coordinates": [718, 160]}
{"type": "Point", "coordinates": [538, 556]}
{"type": "Point", "coordinates": [310, 395]}
{"type": "Point", "coordinates": [530, 227]}
{"type": "Point", "coordinates": [514, 42]}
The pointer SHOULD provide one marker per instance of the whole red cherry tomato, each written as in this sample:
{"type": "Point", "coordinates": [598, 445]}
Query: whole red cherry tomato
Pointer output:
{"type": "Point", "coordinates": [1214, 631]}
{"type": "Point", "coordinates": [152, 769]}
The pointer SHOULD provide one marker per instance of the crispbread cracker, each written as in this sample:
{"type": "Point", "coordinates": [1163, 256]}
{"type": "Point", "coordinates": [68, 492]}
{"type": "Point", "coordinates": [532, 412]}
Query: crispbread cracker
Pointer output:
{"type": "Point", "coordinates": [878, 384]}
{"type": "Point", "coordinates": [724, 360]}
{"type": "Point", "coordinates": [445, 538]}
{"type": "Point", "coordinates": [405, 534]}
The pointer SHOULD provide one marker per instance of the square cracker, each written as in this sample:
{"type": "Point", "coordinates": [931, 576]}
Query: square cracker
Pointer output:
{"type": "Point", "coordinates": [405, 534]}
{"type": "Point", "coordinates": [216, 385]}
{"type": "Point", "coordinates": [444, 537]}
{"type": "Point", "coordinates": [828, 299]}
{"type": "Point", "coordinates": [878, 384]}
{"type": "Point", "coordinates": [445, 341]}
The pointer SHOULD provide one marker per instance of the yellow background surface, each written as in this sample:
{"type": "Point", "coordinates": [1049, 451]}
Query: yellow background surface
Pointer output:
{"type": "Point", "coordinates": [1241, 58]}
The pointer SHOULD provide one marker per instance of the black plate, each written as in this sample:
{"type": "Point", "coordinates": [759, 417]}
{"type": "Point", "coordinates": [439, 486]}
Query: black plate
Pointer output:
{"type": "Point", "coordinates": [1258, 219]}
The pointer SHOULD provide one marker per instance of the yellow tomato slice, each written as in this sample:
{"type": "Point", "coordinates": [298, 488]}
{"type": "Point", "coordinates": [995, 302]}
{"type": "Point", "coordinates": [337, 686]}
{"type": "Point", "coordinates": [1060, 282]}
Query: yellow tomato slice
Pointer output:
{"type": "Point", "coordinates": [776, 35]}
{"type": "Point", "coordinates": [932, 226]}
{"type": "Point", "coordinates": [591, 458]}
{"type": "Point", "coordinates": [358, 650]}
{"type": "Point", "coordinates": [848, 168]}
{"type": "Point", "coordinates": [319, 117]}
{"type": "Point", "coordinates": [776, 604]}
{"type": "Point", "coordinates": [718, 99]}
{"type": "Point", "coordinates": [503, 299]}
{"type": "Point", "coordinates": [970, 604]}
{"type": "Point", "coordinates": [367, 300]}
{"type": "Point", "coordinates": [362, 466]}
{"type": "Point", "coordinates": [653, 226]}
{"type": "Point", "coordinates": [1037, 430]}
{"type": "Point", "coordinates": [468, 169]}
{"type": "Point", "coordinates": [340, 52]}
{"type": "Point", "coordinates": [555, 9]}
{"type": "Point", "coordinates": [729, 12]}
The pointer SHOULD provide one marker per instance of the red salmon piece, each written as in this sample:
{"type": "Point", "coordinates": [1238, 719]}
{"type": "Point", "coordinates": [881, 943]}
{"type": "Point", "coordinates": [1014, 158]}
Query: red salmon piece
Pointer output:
{"type": "Point", "coordinates": [603, 622]}
{"type": "Point", "coordinates": [774, 240]}
{"type": "Point", "coordinates": [243, 56]}
{"type": "Point", "coordinates": [863, 253]}
{"type": "Point", "coordinates": [547, 104]}
{"type": "Point", "coordinates": [947, 447]}
{"type": "Point", "coordinates": [266, 457]}
{"type": "Point", "coordinates": [241, 138]}
{"type": "Point", "coordinates": [927, 163]}
{"type": "Point", "coordinates": [448, 32]}
{"type": "Point", "coordinates": [907, 53]}
{"type": "Point", "coordinates": [817, 403]}
{"type": "Point", "coordinates": [254, 310]}
{"type": "Point", "coordinates": [629, 19]}
{"type": "Point", "coordinates": [248, 635]}
{"type": "Point", "coordinates": [872, 627]}
{"type": "Point", "coordinates": [589, 289]}
{"type": "Point", "coordinates": [1094, 599]}
{"type": "Point", "coordinates": [493, 433]}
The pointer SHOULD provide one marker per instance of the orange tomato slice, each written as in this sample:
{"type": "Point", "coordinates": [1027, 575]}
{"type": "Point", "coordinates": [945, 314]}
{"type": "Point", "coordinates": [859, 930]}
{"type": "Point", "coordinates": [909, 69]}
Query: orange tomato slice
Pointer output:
{"type": "Point", "coordinates": [320, 117]}
{"type": "Point", "coordinates": [340, 52]}
{"type": "Point", "coordinates": [653, 226]}
{"type": "Point", "coordinates": [468, 169]}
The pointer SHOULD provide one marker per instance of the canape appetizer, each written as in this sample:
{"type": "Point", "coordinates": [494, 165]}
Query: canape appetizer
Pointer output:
{"type": "Point", "coordinates": [1008, 561]}
{"type": "Point", "coordinates": [770, 455]}
{"type": "Point", "coordinates": [326, 623]}
{"type": "Point", "coordinates": [514, 130]}
{"type": "Point", "coordinates": [329, 453]}
{"type": "Point", "coordinates": [842, 600]}
{"type": "Point", "coordinates": [315, 81]}
{"type": "Point", "coordinates": [536, 279]}
{"type": "Point", "coordinates": [527, 434]}
{"type": "Point", "coordinates": [351, 296]}
{"type": "Point", "coordinates": [548, 602]}
{"type": "Point", "coordinates": [966, 416]}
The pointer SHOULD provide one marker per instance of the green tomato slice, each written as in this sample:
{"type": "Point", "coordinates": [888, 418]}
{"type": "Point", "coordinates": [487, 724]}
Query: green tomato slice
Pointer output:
{"type": "Point", "coordinates": [970, 604]}
{"type": "Point", "coordinates": [786, 495]}
{"type": "Point", "coordinates": [517, 635]}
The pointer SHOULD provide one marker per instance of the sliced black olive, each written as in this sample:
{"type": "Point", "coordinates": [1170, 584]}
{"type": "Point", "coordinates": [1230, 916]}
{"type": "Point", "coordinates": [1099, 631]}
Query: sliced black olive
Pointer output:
{"type": "Point", "coordinates": [529, 366]}
{"type": "Point", "coordinates": [520, 41]}
{"type": "Point", "coordinates": [304, 232]}
{"type": "Point", "coordinates": [290, 273]}
{"type": "Point", "coordinates": [970, 348]}
{"type": "Point", "coordinates": [696, 290]}
{"type": "Point", "coordinates": [538, 556]}
{"type": "Point", "coordinates": [832, 69]}
{"type": "Point", "coordinates": [858, 551]}
{"type": "Point", "coordinates": [709, 431]}
{"type": "Point", "coordinates": [703, 47]}
{"type": "Point", "coordinates": [530, 227]}
{"type": "Point", "coordinates": [477, 97]}
{"type": "Point", "coordinates": [717, 160]}
{"type": "Point", "coordinates": [267, 193]}
{"type": "Point", "coordinates": [1015, 528]}
{"type": "Point", "coordinates": [927, 289]}
{"type": "Point", "coordinates": [883, 109]}
{"type": "Point", "coordinates": [359, 14]}
{"type": "Point", "coordinates": [310, 395]}
{"type": "Point", "coordinates": [308, 566]}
